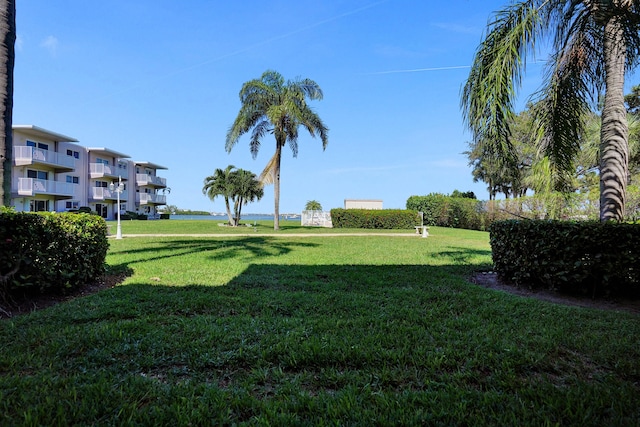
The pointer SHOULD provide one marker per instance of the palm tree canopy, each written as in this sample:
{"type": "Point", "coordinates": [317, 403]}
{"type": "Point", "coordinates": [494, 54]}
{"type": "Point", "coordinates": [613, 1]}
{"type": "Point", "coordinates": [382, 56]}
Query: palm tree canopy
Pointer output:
{"type": "Point", "coordinates": [272, 105]}
{"type": "Point", "coordinates": [575, 72]}
{"type": "Point", "coordinates": [592, 41]}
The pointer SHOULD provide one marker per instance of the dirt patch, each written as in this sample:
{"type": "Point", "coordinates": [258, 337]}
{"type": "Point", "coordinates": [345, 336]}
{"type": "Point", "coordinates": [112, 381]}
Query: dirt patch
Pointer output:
{"type": "Point", "coordinates": [26, 304]}
{"type": "Point", "coordinates": [491, 280]}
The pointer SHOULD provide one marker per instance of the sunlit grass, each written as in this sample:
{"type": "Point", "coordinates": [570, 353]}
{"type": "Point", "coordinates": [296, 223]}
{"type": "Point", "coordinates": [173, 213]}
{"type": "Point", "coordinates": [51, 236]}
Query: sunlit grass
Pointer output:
{"type": "Point", "coordinates": [270, 330]}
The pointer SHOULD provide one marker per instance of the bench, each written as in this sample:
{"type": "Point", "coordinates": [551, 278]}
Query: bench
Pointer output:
{"type": "Point", "coordinates": [422, 229]}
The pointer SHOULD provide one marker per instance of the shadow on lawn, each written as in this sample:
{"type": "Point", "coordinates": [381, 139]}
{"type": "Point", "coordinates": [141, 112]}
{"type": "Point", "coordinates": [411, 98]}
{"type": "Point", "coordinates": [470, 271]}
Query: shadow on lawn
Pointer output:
{"type": "Point", "coordinates": [226, 248]}
{"type": "Point", "coordinates": [286, 291]}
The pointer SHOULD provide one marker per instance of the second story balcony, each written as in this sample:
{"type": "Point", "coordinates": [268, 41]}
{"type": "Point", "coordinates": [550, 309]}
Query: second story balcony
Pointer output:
{"type": "Point", "coordinates": [151, 199]}
{"type": "Point", "coordinates": [24, 155]}
{"type": "Point", "coordinates": [104, 193]}
{"type": "Point", "coordinates": [100, 170]}
{"type": "Point", "coordinates": [143, 179]}
{"type": "Point", "coordinates": [32, 187]}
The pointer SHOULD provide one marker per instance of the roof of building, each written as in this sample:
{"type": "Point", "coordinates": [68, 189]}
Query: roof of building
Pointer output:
{"type": "Point", "coordinates": [38, 132]}
{"type": "Point", "coordinates": [150, 165]}
{"type": "Point", "coordinates": [109, 152]}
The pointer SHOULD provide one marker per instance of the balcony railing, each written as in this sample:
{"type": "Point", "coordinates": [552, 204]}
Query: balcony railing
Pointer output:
{"type": "Point", "coordinates": [151, 199]}
{"type": "Point", "coordinates": [143, 179]}
{"type": "Point", "coordinates": [100, 170]}
{"type": "Point", "coordinates": [104, 193]}
{"type": "Point", "coordinates": [26, 155]}
{"type": "Point", "coordinates": [32, 186]}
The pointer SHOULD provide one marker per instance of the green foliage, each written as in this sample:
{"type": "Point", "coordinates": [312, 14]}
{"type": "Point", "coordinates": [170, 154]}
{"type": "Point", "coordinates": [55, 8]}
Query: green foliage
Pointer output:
{"type": "Point", "coordinates": [49, 251]}
{"type": "Point", "coordinates": [584, 257]}
{"type": "Point", "coordinates": [447, 211]}
{"type": "Point", "coordinates": [368, 218]}
{"type": "Point", "coordinates": [313, 205]}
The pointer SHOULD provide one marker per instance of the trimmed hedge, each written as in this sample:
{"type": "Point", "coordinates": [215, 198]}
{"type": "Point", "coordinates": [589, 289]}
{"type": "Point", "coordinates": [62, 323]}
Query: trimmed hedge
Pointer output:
{"type": "Point", "coordinates": [368, 218]}
{"type": "Point", "coordinates": [50, 251]}
{"type": "Point", "coordinates": [578, 257]}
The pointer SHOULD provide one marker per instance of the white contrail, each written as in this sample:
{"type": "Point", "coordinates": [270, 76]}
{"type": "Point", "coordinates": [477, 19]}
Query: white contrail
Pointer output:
{"type": "Point", "coordinates": [245, 49]}
{"type": "Point", "coordinates": [419, 70]}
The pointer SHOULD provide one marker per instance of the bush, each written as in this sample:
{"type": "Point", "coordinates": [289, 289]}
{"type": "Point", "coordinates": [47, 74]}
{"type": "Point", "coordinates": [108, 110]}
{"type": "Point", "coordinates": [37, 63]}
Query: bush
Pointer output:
{"type": "Point", "coordinates": [577, 257]}
{"type": "Point", "coordinates": [380, 219]}
{"type": "Point", "coordinates": [447, 211]}
{"type": "Point", "coordinates": [50, 251]}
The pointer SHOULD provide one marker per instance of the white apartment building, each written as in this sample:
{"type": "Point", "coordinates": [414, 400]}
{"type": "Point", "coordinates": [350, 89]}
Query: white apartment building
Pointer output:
{"type": "Point", "coordinates": [52, 172]}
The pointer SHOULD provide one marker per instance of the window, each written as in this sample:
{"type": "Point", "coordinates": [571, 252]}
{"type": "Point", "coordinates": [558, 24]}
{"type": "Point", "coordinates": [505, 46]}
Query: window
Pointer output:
{"type": "Point", "coordinates": [37, 174]}
{"type": "Point", "coordinates": [101, 184]}
{"type": "Point", "coordinates": [73, 179]}
{"type": "Point", "coordinates": [69, 152]}
{"type": "Point", "coordinates": [40, 145]}
{"type": "Point", "coordinates": [72, 153]}
{"type": "Point", "coordinates": [103, 161]}
{"type": "Point", "coordinates": [72, 205]}
{"type": "Point", "coordinates": [38, 205]}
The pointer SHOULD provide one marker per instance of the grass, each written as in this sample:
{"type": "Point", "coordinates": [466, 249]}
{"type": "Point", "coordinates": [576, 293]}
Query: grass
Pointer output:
{"type": "Point", "coordinates": [270, 330]}
{"type": "Point", "coordinates": [212, 227]}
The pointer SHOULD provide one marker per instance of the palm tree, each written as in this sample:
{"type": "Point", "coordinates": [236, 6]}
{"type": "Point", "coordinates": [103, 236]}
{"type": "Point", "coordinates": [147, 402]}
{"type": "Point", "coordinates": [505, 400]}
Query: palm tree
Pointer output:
{"type": "Point", "coordinates": [272, 105]}
{"type": "Point", "coordinates": [220, 184]}
{"type": "Point", "coordinates": [7, 58]}
{"type": "Point", "coordinates": [595, 43]}
{"type": "Point", "coordinates": [246, 188]}
{"type": "Point", "coordinates": [313, 205]}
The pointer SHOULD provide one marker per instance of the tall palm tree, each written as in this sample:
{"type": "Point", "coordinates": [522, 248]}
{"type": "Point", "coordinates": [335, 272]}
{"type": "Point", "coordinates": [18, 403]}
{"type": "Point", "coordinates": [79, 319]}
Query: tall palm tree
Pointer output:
{"type": "Point", "coordinates": [220, 184]}
{"type": "Point", "coordinates": [7, 58]}
{"type": "Point", "coordinates": [595, 43]}
{"type": "Point", "coordinates": [272, 105]}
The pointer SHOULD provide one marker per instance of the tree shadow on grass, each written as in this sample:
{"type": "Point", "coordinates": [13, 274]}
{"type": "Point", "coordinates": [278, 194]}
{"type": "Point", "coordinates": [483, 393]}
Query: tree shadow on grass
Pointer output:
{"type": "Point", "coordinates": [225, 248]}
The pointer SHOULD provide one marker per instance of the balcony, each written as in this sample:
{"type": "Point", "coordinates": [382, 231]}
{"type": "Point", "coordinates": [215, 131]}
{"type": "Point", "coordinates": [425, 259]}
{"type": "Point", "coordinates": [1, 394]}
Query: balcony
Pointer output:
{"type": "Point", "coordinates": [25, 155]}
{"type": "Point", "coordinates": [151, 199]}
{"type": "Point", "coordinates": [143, 179]}
{"type": "Point", "coordinates": [103, 193]}
{"type": "Point", "coordinates": [32, 186]}
{"type": "Point", "coordinates": [100, 170]}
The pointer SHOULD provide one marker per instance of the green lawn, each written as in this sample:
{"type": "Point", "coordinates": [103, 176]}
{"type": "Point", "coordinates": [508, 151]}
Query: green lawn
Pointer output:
{"type": "Point", "coordinates": [346, 330]}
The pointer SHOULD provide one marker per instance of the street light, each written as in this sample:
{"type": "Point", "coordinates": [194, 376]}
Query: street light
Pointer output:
{"type": "Point", "coordinates": [118, 191]}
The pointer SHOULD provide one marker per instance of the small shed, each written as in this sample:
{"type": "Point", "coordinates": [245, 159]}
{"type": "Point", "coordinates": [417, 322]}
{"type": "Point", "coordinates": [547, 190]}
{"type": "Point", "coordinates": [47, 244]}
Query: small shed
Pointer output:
{"type": "Point", "coordinates": [362, 204]}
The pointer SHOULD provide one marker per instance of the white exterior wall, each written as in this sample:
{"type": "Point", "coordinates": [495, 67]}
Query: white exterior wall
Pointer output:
{"type": "Point", "coordinates": [64, 195]}
{"type": "Point", "coordinates": [362, 204]}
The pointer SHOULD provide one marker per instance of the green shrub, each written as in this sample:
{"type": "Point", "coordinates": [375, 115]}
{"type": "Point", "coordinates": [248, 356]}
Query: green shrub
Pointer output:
{"type": "Point", "coordinates": [165, 216]}
{"type": "Point", "coordinates": [577, 257]}
{"type": "Point", "coordinates": [380, 219]}
{"type": "Point", "coordinates": [446, 211]}
{"type": "Point", "coordinates": [50, 251]}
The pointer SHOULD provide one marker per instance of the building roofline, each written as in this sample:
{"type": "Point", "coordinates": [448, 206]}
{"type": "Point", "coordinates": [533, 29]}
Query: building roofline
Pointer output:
{"type": "Point", "coordinates": [151, 165]}
{"type": "Point", "coordinates": [109, 151]}
{"type": "Point", "coordinates": [32, 130]}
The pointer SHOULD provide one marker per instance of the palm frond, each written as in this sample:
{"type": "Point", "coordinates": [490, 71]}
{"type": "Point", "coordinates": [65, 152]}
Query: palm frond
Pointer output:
{"type": "Point", "coordinates": [267, 176]}
{"type": "Point", "coordinates": [489, 93]}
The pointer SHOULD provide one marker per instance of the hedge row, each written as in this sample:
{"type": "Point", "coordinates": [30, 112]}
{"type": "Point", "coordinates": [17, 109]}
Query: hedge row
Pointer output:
{"type": "Point", "coordinates": [447, 211]}
{"type": "Point", "coordinates": [381, 219]}
{"type": "Point", "coordinates": [578, 257]}
{"type": "Point", "coordinates": [50, 251]}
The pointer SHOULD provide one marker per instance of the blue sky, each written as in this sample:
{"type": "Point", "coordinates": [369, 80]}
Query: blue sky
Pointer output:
{"type": "Point", "coordinates": [159, 80]}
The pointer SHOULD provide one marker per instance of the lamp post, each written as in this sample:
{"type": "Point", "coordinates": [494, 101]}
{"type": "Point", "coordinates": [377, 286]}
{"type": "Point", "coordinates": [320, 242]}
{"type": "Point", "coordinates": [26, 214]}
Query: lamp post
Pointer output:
{"type": "Point", "coordinates": [118, 191]}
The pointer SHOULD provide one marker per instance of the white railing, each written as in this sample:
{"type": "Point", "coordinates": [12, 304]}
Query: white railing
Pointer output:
{"type": "Point", "coordinates": [146, 179]}
{"type": "Point", "coordinates": [316, 218]}
{"type": "Point", "coordinates": [32, 186]}
{"type": "Point", "coordinates": [104, 193]}
{"type": "Point", "coordinates": [146, 198]}
{"type": "Point", "coordinates": [26, 155]}
{"type": "Point", "coordinates": [98, 170]}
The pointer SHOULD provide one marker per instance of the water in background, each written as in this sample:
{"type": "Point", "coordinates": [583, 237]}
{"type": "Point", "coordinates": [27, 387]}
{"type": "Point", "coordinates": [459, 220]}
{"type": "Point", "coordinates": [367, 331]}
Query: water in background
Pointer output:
{"type": "Point", "coordinates": [247, 217]}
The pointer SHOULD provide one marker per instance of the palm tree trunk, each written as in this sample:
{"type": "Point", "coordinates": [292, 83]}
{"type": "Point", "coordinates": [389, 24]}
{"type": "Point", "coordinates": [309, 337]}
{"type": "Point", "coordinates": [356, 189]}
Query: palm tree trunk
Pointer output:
{"type": "Point", "coordinates": [7, 58]}
{"type": "Point", "coordinates": [614, 147]}
{"type": "Point", "coordinates": [226, 203]}
{"type": "Point", "coordinates": [276, 187]}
